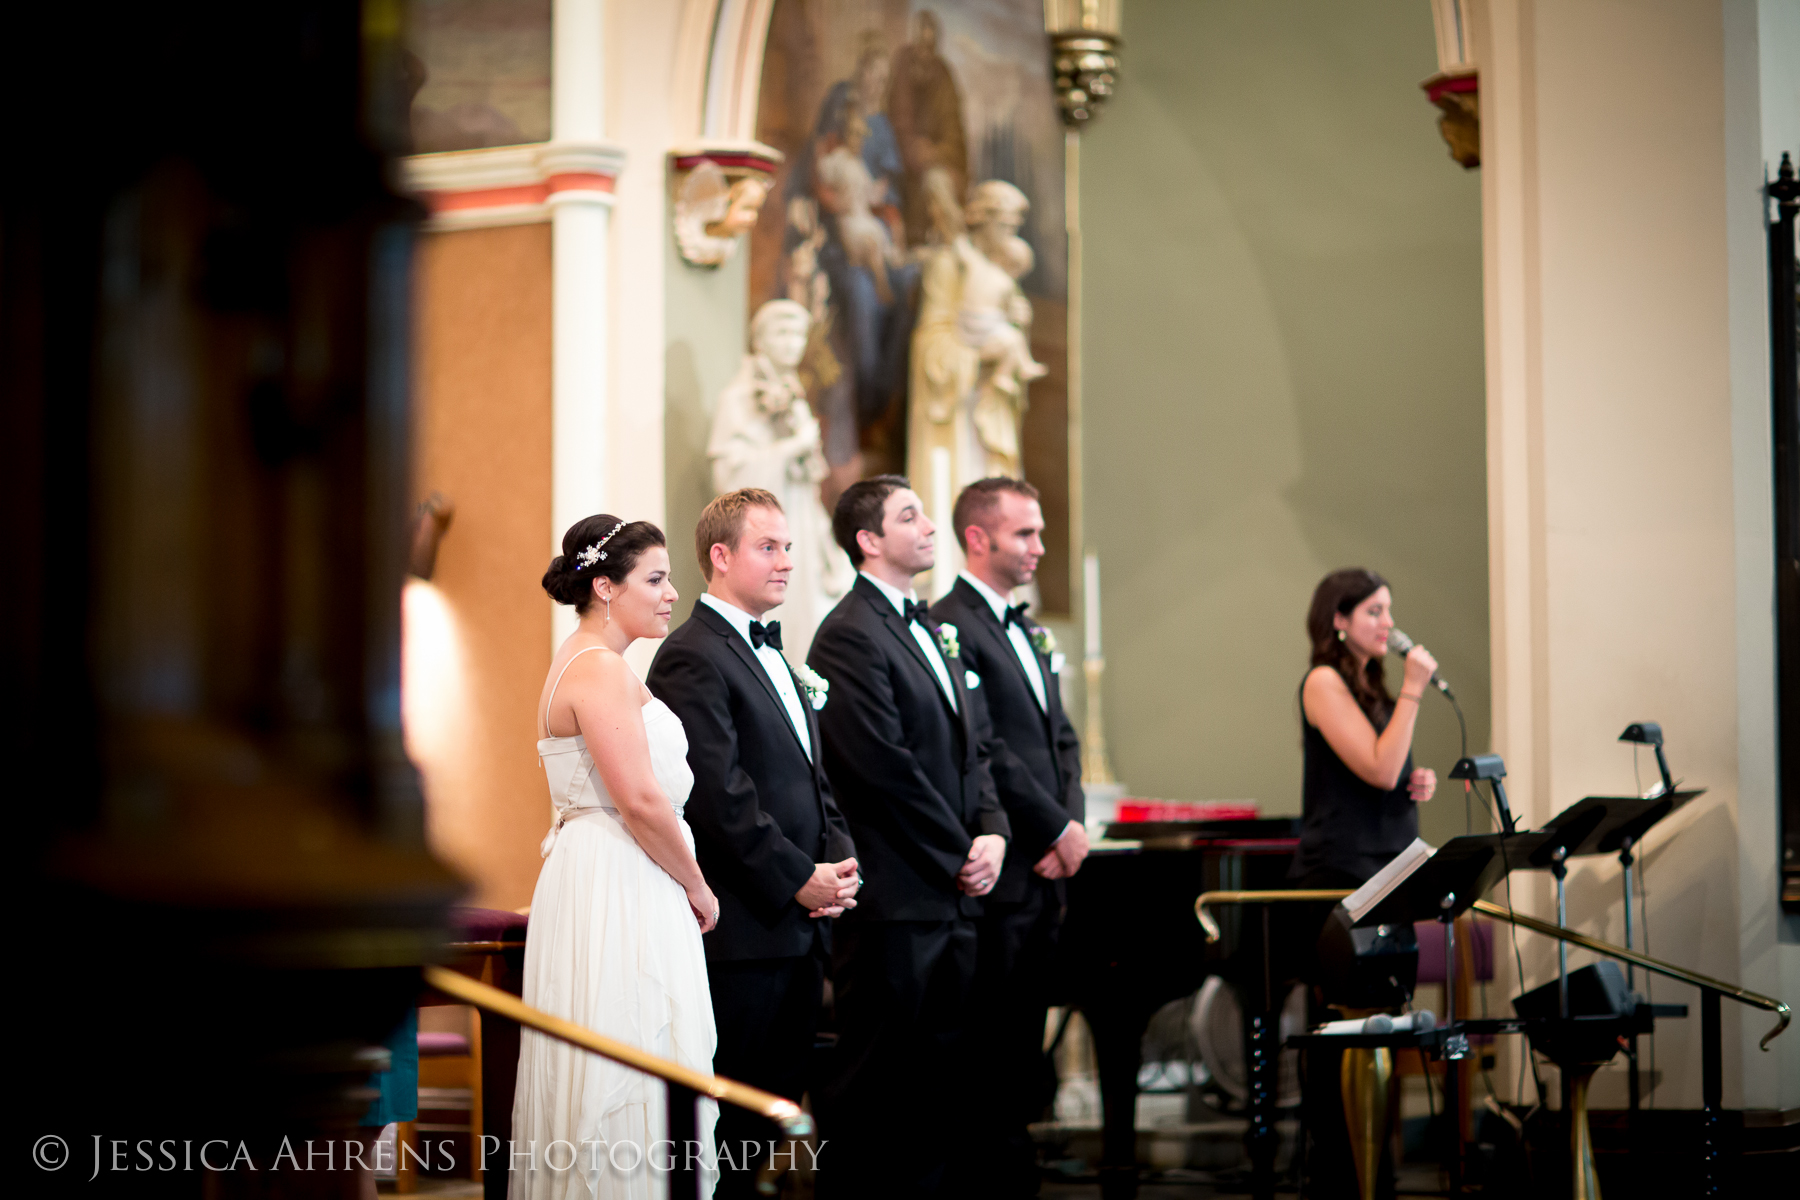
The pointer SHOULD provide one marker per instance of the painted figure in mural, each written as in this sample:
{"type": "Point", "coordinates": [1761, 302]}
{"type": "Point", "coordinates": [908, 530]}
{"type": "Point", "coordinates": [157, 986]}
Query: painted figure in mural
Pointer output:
{"type": "Point", "coordinates": [844, 177]}
{"type": "Point", "coordinates": [926, 111]}
{"type": "Point", "coordinates": [843, 259]}
{"type": "Point", "coordinates": [764, 435]}
{"type": "Point", "coordinates": [971, 356]}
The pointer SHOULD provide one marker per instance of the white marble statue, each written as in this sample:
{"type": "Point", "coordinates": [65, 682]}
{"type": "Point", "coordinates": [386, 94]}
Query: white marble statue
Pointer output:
{"type": "Point", "coordinates": [765, 435]}
{"type": "Point", "coordinates": [971, 358]}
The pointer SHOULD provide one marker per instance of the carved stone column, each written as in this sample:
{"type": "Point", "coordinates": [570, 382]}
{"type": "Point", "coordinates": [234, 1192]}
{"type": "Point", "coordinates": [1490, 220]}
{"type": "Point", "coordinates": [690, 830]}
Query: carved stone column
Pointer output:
{"type": "Point", "coordinates": [581, 275]}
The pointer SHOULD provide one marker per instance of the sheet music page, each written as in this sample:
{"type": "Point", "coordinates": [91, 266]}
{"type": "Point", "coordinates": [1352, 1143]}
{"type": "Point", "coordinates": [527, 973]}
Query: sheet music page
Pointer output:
{"type": "Point", "coordinates": [1384, 881]}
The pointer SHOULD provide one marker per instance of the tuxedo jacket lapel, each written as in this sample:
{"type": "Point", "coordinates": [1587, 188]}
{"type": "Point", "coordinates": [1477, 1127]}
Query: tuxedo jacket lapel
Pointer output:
{"type": "Point", "coordinates": [1002, 647]}
{"type": "Point", "coordinates": [747, 656]}
{"type": "Point", "coordinates": [1046, 710]}
{"type": "Point", "coordinates": [812, 731]}
{"type": "Point", "coordinates": [903, 633]}
{"type": "Point", "coordinates": [959, 681]}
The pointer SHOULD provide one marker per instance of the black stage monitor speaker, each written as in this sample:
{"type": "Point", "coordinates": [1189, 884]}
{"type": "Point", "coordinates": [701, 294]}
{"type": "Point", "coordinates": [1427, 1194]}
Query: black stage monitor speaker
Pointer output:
{"type": "Point", "coordinates": [1596, 990]}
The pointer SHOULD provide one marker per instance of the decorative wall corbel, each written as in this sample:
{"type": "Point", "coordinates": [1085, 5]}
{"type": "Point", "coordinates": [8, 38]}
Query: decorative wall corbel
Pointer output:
{"type": "Point", "coordinates": [1459, 96]}
{"type": "Point", "coordinates": [1456, 88]}
{"type": "Point", "coordinates": [716, 191]}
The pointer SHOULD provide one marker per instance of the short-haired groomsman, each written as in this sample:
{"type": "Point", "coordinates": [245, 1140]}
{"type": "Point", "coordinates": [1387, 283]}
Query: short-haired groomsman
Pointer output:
{"type": "Point", "coordinates": [1035, 758]}
{"type": "Point", "coordinates": [767, 832]}
{"type": "Point", "coordinates": [905, 749]}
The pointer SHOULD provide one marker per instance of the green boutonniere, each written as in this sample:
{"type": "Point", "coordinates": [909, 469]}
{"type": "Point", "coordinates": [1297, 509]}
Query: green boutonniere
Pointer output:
{"type": "Point", "coordinates": [948, 642]}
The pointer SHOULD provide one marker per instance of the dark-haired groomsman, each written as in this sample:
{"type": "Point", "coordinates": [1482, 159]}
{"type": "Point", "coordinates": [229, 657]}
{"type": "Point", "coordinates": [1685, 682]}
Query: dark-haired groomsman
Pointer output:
{"type": "Point", "coordinates": [1035, 759]}
{"type": "Point", "coordinates": [904, 746]}
{"type": "Point", "coordinates": [767, 833]}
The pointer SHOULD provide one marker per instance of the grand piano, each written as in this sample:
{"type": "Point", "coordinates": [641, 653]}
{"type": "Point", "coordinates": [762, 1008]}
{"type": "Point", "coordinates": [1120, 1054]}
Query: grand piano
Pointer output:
{"type": "Point", "coordinates": [1130, 944]}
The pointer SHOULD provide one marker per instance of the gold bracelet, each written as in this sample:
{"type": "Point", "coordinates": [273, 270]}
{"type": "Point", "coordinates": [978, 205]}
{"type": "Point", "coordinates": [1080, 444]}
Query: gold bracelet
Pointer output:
{"type": "Point", "coordinates": [1410, 696]}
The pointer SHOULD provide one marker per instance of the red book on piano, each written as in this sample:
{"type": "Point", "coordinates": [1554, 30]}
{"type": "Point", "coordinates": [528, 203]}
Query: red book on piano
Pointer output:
{"type": "Point", "coordinates": [1187, 810]}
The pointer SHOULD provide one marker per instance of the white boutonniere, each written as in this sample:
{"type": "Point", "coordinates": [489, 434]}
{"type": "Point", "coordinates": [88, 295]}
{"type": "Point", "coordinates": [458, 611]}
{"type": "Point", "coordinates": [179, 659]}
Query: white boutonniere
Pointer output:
{"type": "Point", "coordinates": [1043, 640]}
{"type": "Point", "coordinates": [814, 684]}
{"type": "Point", "coordinates": [948, 641]}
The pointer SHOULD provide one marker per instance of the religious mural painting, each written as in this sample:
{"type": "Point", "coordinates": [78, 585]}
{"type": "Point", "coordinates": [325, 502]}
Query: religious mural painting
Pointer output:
{"type": "Point", "coordinates": [918, 217]}
{"type": "Point", "coordinates": [481, 73]}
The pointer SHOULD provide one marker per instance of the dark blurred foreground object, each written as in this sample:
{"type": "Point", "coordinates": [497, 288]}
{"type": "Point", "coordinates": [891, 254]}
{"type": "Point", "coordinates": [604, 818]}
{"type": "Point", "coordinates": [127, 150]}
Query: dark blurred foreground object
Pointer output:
{"type": "Point", "coordinates": [204, 279]}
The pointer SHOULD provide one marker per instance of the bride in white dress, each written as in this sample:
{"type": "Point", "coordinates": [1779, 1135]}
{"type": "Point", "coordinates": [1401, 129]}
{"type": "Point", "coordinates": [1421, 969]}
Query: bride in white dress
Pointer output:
{"type": "Point", "coordinates": [614, 941]}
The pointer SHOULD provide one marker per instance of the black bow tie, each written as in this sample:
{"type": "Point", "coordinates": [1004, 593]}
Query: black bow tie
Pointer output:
{"type": "Point", "coordinates": [915, 611]}
{"type": "Point", "coordinates": [1015, 615]}
{"type": "Point", "coordinates": [765, 635]}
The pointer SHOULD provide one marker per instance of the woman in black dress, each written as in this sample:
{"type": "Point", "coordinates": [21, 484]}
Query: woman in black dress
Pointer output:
{"type": "Point", "coordinates": [1360, 789]}
{"type": "Point", "coordinates": [1360, 794]}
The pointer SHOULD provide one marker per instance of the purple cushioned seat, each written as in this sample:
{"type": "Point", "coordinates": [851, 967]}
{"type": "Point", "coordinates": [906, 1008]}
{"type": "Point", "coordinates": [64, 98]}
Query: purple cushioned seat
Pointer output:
{"type": "Point", "coordinates": [442, 1045]}
{"type": "Point", "coordinates": [1431, 951]}
{"type": "Point", "coordinates": [486, 925]}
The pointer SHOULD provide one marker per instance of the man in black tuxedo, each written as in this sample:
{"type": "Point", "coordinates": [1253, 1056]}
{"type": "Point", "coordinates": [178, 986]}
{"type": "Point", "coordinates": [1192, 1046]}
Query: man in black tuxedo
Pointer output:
{"type": "Point", "coordinates": [1035, 759]}
{"type": "Point", "coordinates": [767, 832]}
{"type": "Point", "coordinates": [904, 747]}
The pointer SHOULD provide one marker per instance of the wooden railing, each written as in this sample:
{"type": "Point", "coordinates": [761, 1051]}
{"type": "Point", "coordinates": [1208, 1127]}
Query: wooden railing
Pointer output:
{"type": "Point", "coordinates": [685, 1085]}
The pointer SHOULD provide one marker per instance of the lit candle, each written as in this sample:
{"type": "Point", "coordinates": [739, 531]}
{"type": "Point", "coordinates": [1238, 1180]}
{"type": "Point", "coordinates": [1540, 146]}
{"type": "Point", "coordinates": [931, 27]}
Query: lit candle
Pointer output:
{"type": "Point", "coordinates": [1090, 587]}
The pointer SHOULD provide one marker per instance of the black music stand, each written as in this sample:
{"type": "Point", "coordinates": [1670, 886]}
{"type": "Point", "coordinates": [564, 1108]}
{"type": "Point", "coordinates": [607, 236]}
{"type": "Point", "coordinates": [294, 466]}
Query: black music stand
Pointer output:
{"type": "Point", "coordinates": [1605, 825]}
{"type": "Point", "coordinates": [1444, 887]}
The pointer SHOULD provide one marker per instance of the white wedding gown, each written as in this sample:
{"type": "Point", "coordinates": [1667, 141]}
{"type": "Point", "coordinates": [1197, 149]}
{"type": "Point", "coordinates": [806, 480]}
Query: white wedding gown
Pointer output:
{"type": "Point", "coordinates": [612, 945]}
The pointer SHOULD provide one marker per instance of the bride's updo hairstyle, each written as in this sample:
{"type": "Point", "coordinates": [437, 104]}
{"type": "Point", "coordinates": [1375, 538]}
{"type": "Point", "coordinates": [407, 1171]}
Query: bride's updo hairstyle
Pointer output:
{"type": "Point", "coordinates": [570, 579]}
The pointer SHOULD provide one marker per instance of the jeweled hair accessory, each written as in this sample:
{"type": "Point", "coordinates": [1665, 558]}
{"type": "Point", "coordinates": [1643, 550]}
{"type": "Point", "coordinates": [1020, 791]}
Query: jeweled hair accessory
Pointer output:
{"type": "Point", "coordinates": [594, 553]}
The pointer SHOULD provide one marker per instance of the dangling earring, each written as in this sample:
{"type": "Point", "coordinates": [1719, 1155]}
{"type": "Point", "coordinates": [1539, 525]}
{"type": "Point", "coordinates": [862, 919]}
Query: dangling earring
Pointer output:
{"type": "Point", "coordinates": [1341, 636]}
{"type": "Point", "coordinates": [608, 600]}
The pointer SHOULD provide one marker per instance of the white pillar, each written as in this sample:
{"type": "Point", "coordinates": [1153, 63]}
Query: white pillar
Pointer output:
{"type": "Point", "coordinates": [579, 167]}
{"type": "Point", "coordinates": [1629, 479]}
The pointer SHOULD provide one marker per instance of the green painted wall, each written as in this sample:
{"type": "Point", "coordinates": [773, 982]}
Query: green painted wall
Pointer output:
{"type": "Point", "coordinates": [706, 312]}
{"type": "Point", "coordinates": [1284, 376]}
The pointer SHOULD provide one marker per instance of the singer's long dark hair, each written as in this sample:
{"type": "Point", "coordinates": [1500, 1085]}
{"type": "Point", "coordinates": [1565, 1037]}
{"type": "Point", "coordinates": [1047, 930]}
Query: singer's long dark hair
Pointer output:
{"type": "Point", "coordinates": [1338, 594]}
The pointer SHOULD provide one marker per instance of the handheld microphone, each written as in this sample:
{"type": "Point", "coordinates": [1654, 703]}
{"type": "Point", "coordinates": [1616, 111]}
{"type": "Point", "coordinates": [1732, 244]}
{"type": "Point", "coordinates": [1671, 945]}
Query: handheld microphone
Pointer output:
{"type": "Point", "coordinates": [1399, 643]}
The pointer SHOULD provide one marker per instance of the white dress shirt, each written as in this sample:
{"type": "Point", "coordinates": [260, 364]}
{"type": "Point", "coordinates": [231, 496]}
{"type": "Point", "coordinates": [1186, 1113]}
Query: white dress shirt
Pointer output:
{"type": "Point", "coordinates": [773, 665]}
{"type": "Point", "coordinates": [921, 635]}
{"type": "Point", "coordinates": [1021, 645]}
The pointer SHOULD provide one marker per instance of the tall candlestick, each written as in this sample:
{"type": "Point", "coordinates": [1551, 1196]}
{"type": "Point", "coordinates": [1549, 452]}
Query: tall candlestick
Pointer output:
{"type": "Point", "coordinates": [943, 575]}
{"type": "Point", "coordinates": [1094, 767]}
{"type": "Point", "coordinates": [1090, 603]}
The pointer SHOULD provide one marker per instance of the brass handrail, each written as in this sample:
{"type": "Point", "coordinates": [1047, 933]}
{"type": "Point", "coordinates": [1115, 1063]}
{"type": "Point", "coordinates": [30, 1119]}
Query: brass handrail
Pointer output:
{"type": "Point", "coordinates": [1212, 927]}
{"type": "Point", "coordinates": [1547, 928]}
{"type": "Point", "coordinates": [1743, 996]}
{"type": "Point", "coordinates": [790, 1116]}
